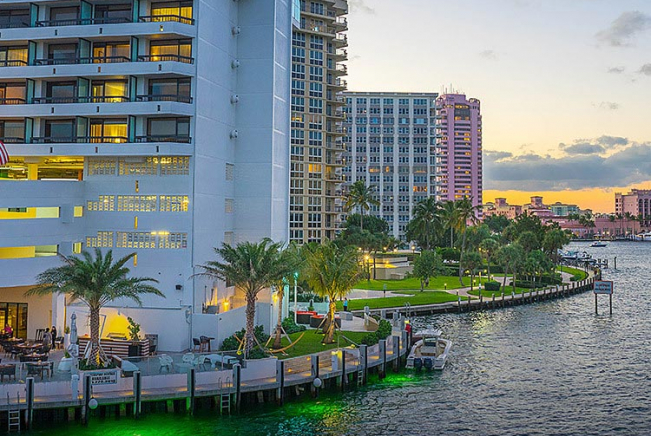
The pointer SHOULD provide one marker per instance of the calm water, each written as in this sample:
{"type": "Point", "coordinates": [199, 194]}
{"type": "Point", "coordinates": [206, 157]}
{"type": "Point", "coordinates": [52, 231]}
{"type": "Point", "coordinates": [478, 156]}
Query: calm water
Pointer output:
{"type": "Point", "coordinates": [550, 368]}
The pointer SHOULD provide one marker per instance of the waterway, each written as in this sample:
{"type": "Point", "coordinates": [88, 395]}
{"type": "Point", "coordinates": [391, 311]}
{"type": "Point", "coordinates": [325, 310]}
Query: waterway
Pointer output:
{"type": "Point", "coordinates": [552, 368]}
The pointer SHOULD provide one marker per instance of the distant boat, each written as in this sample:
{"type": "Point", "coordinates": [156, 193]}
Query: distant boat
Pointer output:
{"type": "Point", "coordinates": [598, 244]}
{"type": "Point", "coordinates": [643, 237]}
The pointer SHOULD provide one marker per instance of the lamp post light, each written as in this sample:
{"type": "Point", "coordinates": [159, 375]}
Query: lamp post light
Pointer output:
{"type": "Point", "coordinates": [295, 293]}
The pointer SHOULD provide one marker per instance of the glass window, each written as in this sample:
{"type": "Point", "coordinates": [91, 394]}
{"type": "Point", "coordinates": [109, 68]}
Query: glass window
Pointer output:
{"type": "Point", "coordinates": [111, 52]}
{"type": "Point", "coordinates": [12, 129]}
{"type": "Point", "coordinates": [104, 90]}
{"type": "Point", "coordinates": [62, 129]}
{"type": "Point", "coordinates": [113, 13]}
{"type": "Point", "coordinates": [169, 87]}
{"type": "Point", "coordinates": [171, 48]}
{"type": "Point", "coordinates": [108, 130]}
{"type": "Point", "coordinates": [12, 92]}
{"type": "Point", "coordinates": [13, 56]}
{"type": "Point", "coordinates": [62, 91]}
{"type": "Point", "coordinates": [169, 9]}
{"type": "Point", "coordinates": [64, 14]}
{"type": "Point", "coordinates": [62, 52]}
{"type": "Point", "coordinates": [14, 18]}
{"type": "Point", "coordinates": [170, 127]}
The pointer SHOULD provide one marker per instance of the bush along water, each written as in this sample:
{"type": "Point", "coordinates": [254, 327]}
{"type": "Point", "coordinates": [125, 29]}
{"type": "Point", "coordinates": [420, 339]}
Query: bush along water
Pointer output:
{"type": "Point", "coordinates": [383, 331]}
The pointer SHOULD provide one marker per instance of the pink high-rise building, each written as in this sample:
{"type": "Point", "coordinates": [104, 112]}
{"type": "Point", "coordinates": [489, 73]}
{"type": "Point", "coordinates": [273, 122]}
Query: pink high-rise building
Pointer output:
{"type": "Point", "coordinates": [458, 148]}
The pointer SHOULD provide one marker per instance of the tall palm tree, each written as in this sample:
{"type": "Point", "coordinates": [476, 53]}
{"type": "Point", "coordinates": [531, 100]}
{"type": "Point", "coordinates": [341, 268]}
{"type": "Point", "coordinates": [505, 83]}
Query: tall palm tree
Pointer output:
{"type": "Point", "coordinates": [95, 281]}
{"type": "Point", "coordinates": [488, 248]}
{"type": "Point", "coordinates": [251, 267]}
{"type": "Point", "coordinates": [290, 262]}
{"type": "Point", "coordinates": [450, 218]}
{"type": "Point", "coordinates": [466, 214]}
{"type": "Point", "coordinates": [426, 221]}
{"type": "Point", "coordinates": [362, 196]}
{"type": "Point", "coordinates": [331, 271]}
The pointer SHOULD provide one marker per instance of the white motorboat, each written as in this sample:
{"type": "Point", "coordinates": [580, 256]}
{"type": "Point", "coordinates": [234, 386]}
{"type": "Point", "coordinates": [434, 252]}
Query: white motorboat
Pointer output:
{"type": "Point", "coordinates": [598, 244]}
{"type": "Point", "coordinates": [430, 351]}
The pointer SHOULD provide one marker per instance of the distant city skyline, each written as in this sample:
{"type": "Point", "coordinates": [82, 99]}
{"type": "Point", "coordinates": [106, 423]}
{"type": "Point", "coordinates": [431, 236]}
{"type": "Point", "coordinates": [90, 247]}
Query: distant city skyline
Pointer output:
{"type": "Point", "coordinates": [564, 85]}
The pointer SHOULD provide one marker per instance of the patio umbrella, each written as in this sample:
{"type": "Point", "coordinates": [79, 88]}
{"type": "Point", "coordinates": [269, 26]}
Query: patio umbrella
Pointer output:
{"type": "Point", "coordinates": [73, 348]}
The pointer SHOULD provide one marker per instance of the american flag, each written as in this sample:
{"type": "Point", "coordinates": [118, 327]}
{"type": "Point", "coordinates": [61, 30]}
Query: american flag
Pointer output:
{"type": "Point", "coordinates": [4, 154]}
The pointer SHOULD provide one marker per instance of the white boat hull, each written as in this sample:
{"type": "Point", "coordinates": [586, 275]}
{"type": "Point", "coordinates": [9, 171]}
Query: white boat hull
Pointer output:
{"type": "Point", "coordinates": [416, 360]}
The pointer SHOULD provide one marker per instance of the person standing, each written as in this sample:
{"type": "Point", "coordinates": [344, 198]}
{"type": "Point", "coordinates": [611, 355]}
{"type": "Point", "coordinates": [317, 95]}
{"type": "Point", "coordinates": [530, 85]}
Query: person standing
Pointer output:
{"type": "Point", "coordinates": [345, 304]}
{"type": "Point", "coordinates": [54, 336]}
{"type": "Point", "coordinates": [47, 339]}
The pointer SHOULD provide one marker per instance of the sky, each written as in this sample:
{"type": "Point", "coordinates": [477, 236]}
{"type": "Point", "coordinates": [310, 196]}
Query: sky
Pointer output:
{"type": "Point", "coordinates": [565, 85]}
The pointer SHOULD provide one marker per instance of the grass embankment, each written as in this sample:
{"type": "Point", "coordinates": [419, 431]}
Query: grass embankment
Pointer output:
{"type": "Point", "coordinates": [414, 298]}
{"type": "Point", "coordinates": [310, 343]}
{"type": "Point", "coordinates": [435, 283]}
{"type": "Point", "coordinates": [498, 294]}
{"type": "Point", "coordinates": [577, 274]}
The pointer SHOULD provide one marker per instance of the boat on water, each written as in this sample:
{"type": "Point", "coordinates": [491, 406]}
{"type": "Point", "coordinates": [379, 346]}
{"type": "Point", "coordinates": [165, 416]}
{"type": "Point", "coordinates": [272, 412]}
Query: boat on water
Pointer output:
{"type": "Point", "coordinates": [643, 237]}
{"type": "Point", "coordinates": [598, 244]}
{"type": "Point", "coordinates": [430, 351]}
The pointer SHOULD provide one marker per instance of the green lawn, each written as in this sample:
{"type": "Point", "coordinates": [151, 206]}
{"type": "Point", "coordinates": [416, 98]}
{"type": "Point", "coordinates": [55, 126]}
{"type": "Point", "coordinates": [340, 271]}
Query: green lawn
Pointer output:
{"type": "Point", "coordinates": [311, 342]}
{"type": "Point", "coordinates": [436, 283]}
{"type": "Point", "coordinates": [578, 274]}
{"type": "Point", "coordinates": [498, 294]}
{"type": "Point", "coordinates": [414, 298]}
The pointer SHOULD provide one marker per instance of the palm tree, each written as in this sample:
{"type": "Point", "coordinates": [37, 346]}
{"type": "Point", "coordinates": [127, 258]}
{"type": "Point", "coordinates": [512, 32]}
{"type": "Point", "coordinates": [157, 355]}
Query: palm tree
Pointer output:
{"type": "Point", "coordinates": [553, 241]}
{"type": "Point", "coordinates": [488, 247]}
{"type": "Point", "coordinates": [250, 267]}
{"type": "Point", "coordinates": [511, 257]}
{"type": "Point", "coordinates": [331, 271]}
{"type": "Point", "coordinates": [471, 262]}
{"type": "Point", "coordinates": [95, 282]}
{"type": "Point", "coordinates": [290, 261]}
{"type": "Point", "coordinates": [450, 218]}
{"type": "Point", "coordinates": [466, 214]}
{"type": "Point", "coordinates": [426, 221]}
{"type": "Point", "coordinates": [362, 196]}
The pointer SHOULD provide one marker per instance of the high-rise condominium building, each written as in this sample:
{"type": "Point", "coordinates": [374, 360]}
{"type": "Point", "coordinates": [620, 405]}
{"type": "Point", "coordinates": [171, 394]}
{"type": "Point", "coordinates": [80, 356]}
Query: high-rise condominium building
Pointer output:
{"type": "Point", "coordinates": [388, 146]}
{"type": "Point", "coordinates": [155, 127]}
{"type": "Point", "coordinates": [635, 204]}
{"type": "Point", "coordinates": [458, 148]}
{"type": "Point", "coordinates": [318, 50]}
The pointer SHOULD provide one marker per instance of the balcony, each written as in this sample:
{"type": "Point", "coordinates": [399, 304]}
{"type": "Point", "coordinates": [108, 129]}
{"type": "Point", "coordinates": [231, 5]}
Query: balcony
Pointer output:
{"type": "Point", "coordinates": [341, 40]}
{"type": "Point", "coordinates": [165, 97]}
{"type": "Point", "coordinates": [12, 100]}
{"type": "Point", "coordinates": [339, 69]}
{"type": "Point", "coordinates": [13, 63]}
{"type": "Point", "coordinates": [19, 25]}
{"type": "Point", "coordinates": [166, 58]}
{"type": "Point", "coordinates": [166, 18]}
{"type": "Point", "coordinates": [164, 138]}
{"type": "Point", "coordinates": [12, 140]}
{"type": "Point", "coordinates": [84, 60]}
{"type": "Point", "coordinates": [80, 139]}
{"type": "Point", "coordinates": [90, 99]}
{"type": "Point", "coordinates": [82, 21]}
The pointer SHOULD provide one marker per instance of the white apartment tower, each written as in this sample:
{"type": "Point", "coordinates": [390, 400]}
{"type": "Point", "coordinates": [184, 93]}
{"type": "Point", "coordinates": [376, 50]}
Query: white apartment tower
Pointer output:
{"type": "Point", "coordinates": [160, 127]}
{"type": "Point", "coordinates": [390, 145]}
{"type": "Point", "coordinates": [318, 50]}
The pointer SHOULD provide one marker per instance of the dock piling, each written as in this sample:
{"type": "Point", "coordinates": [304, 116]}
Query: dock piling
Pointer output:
{"type": "Point", "coordinates": [383, 354]}
{"type": "Point", "coordinates": [280, 379]}
{"type": "Point", "coordinates": [137, 394]}
{"type": "Point", "coordinates": [192, 385]}
{"type": "Point", "coordinates": [237, 381]}
{"type": "Point", "coordinates": [29, 398]}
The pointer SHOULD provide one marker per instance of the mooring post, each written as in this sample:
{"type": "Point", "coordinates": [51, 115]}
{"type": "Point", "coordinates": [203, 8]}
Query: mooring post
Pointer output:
{"type": "Point", "coordinates": [363, 354]}
{"type": "Point", "coordinates": [396, 353]}
{"type": "Point", "coordinates": [137, 394]}
{"type": "Point", "coordinates": [280, 379]}
{"type": "Point", "coordinates": [87, 393]}
{"type": "Point", "coordinates": [344, 379]}
{"type": "Point", "coordinates": [459, 302]}
{"type": "Point", "coordinates": [29, 398]}
{"type": "Point", "coordinates": [237, 381]}
{"type": "Point", "coordinates": [315, 372]}
{"type": "Point", "coordinates": [192, 381]}
{"type": "Point", "coordinates": [611, 303]}
{"type": "Point", "coordinates": [596, 311]}
{"type": "Point", "coordinates": [383, 355]}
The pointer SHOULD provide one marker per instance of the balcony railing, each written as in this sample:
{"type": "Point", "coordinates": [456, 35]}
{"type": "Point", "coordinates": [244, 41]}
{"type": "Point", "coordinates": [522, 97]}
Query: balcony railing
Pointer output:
{"type": "Point", "coordinates": [166, 58]}
{"type": "Point", "coordinates": [165, 97]}
{"type": "Point", "coordinates": [12, 140]}
{"type": "Point", "coordinates": [80, 139]}
{"type": "Point", "coordinates": [13, 63]}
{"type": "Point", "coordinates": [165, 18]}
{"type": "Point", "coordinates": [84, 60]}
{"type": "Point", "coordinates": [82, 21]}
{"type": "Point", "coordinates": [164, 138]}
{"type": "Point", "coordinates": [88, 99]}
{"type": "Point", "coordinates": [13, 25]}
{"type": "Point", "coordinates": [12, 100]}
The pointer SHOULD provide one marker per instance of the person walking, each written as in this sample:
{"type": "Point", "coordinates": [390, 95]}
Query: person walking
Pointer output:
{"type": "Point", "coordinates": [345, 304]}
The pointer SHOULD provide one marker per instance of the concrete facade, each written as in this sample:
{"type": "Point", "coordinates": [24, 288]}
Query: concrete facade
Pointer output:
{"type": "Point", "coordinates": [390, 144]}
{"type": "Point", "coordinates": [636, 204]}
{"type": "Point", "coordinates": [137, 125]}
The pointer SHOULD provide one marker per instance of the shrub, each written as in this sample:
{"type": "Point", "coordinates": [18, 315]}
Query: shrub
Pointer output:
{"type": "Point", "coordinates": [230, 343]}
{"type": "Point", "coordinates": [448, 253]}
{"type": "Point", "coordinates": [492, 286]}
{"type": "Point", "coordinates": [370, 339]}
{"type": "Point", "coordinates": [384, 329]}
{"type": "Point", "coordinates": [291, 327]}
{"type": "Point", "coordinates": [256, 353]}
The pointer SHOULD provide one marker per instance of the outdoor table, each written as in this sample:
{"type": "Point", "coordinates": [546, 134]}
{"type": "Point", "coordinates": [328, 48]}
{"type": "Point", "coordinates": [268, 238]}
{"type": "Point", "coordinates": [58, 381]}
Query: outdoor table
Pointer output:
{"type": "Point", "coordinates": [26, 348]}
{"type": "Point", "coordinates": [41, 368]}
{"type": "Point", "coordinates": [206, 340]}
{"type": "Point", "coordinates": [34, 357]}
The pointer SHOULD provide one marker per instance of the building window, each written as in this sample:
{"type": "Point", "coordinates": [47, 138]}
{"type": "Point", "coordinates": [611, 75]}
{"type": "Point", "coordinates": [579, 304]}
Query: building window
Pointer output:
{"type": "Point", "coordinates": [228, 205]}
{"type": "Point", "coordinates": [230, 171]}
{"type": "Point", "coordinates": [136, 240]}
{"type": "Point", "coordinates": [173, 241]}
{"type": "Point", "coordinates": [102, 240]}
{"type": "Point", "coordinates": [109, 52]}
{"type": "Point", "coordinates": [136, 203]}
{"type": "Point", "coordinates": [105, 203]}
{"type": "Point", "coordinates": [174, 203]}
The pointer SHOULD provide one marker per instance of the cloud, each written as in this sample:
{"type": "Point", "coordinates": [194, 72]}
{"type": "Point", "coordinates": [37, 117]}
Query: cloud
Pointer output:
{"type": "Point", "coordinates": [360, 6]}
{"type": "Point", "coordinates": [583, 167]}
{"type": "Point", "coordinates": [645, 69]}
{"type": "Point", "coordinates": [616, 70]}
{"type": "Point", "coordinates": [624, 28]}
{"type": "Point", "coordinates": [491, 55]}
{"type": "Point", "coordinates": [607, 105]}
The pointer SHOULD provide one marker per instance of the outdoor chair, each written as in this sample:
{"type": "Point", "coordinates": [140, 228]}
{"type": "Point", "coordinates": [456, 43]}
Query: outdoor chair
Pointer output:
{"type": "Point", "coordinates": [197, 344]}
{"type": "Point", "coordinates": [7, 370]}
{"type": "Point", "coordinates": [205, 343]}
{"type": "Point", "coordinates": [165, 362]}
{"type": "Point", "coordinates": [39, 335]}
{"type": "Point", "coordinates": [58, 342]}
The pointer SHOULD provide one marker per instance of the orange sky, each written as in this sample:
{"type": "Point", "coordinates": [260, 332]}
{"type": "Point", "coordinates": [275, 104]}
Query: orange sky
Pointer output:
{"type": "Point", "coordinates": [599, 200]}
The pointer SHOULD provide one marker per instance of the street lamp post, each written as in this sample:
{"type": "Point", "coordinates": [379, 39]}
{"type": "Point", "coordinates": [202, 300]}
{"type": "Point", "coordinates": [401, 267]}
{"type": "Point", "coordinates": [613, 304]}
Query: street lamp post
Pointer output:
{"type": "Point", "coordinates": [295, 294]}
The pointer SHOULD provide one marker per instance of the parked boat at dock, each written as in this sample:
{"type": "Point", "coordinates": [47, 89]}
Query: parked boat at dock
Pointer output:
{"type": "Point", "coordinates": [430, 351]}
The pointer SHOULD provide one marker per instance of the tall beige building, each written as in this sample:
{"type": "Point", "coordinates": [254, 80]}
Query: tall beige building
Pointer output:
{"type": "Point", "coordinates": [318, 50]}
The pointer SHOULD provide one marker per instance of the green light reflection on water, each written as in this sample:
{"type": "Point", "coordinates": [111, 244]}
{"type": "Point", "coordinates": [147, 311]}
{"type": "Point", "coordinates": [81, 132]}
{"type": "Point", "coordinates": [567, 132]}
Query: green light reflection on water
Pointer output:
{"type": "Point", "coordinates": [329, 414]}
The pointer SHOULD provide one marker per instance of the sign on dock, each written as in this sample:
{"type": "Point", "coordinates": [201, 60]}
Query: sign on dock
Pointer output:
{"type": "Point", "coordinates": [603, 287]}
{"type": "Point", "coordinates": [103, 378]}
